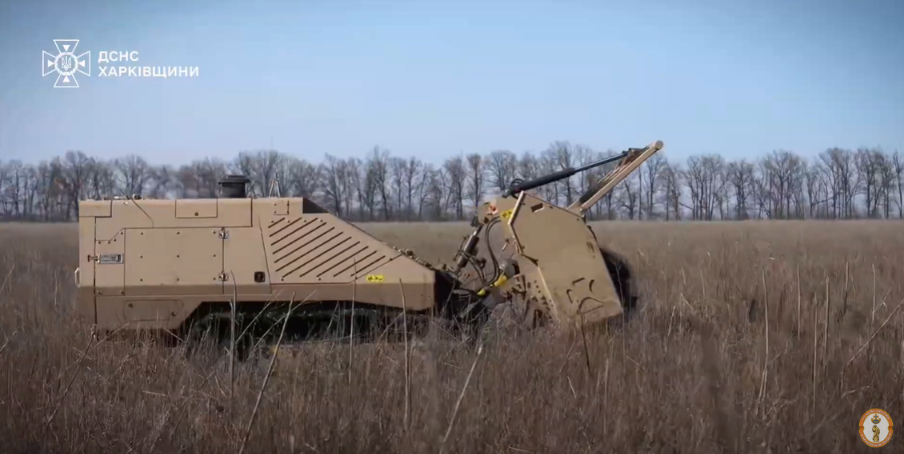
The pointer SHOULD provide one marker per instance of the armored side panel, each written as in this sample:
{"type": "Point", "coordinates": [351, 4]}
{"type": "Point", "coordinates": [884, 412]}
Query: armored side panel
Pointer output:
{"type": "Point", "coordinates": [152, 263]}
{"type": "Point", "coordinates": [307, 250]}
{"type": "Point", "coordinates": [562, 272]}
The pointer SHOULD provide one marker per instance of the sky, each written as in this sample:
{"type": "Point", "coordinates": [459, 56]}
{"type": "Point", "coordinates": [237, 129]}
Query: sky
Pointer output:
{"type": "Point", "coordinates": [434, 78]}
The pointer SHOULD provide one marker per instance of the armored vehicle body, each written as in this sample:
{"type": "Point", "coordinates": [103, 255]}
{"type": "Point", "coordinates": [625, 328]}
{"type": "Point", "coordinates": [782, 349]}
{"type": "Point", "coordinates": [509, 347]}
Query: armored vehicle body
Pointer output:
{"type": "Point", "coordinates": [178, 265]}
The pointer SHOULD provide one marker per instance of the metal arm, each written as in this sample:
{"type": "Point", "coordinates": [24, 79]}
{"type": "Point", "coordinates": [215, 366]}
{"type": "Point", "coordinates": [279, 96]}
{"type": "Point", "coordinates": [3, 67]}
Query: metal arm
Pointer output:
{"type": "Point", "coordinates": [631, 160]}
{"type": "Point", "coordinates": [520, 186]}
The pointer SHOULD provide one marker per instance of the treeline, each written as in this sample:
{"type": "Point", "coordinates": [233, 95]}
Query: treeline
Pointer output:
{"type": "Point", "coordinates": [837, 184]}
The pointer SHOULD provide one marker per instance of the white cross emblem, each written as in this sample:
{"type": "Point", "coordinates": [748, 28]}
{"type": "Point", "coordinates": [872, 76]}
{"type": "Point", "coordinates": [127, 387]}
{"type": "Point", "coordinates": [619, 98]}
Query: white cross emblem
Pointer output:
{"type": "Point", "coordinates": [65, 63]}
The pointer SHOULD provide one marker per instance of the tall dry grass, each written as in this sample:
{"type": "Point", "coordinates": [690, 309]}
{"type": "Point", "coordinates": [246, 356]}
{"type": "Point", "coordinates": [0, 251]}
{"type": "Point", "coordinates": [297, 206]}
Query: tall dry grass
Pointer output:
{"type": "Point", "coordinates": [751, 339]}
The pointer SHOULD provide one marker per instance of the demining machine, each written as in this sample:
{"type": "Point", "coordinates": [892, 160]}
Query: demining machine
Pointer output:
{"type": "Point", "coordinates": [236, 263]}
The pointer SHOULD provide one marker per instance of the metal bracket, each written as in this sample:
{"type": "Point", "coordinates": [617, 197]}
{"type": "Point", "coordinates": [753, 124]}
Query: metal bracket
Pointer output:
{"type": "Point", "coordinates": [224, 234]}
{"type": "Point", "coordinates": [106, 259]}
{"type": "Point", "coordinates": [223, 277]}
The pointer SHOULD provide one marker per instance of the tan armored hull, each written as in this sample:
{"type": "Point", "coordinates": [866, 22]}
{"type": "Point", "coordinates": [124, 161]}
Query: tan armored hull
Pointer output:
{"type": "Point", "coordinates": [151, 263]}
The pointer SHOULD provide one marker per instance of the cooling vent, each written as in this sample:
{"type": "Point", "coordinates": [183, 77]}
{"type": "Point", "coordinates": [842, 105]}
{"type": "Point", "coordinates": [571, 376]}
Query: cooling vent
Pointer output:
{"type": "Point", "coordinates": [314, 249]}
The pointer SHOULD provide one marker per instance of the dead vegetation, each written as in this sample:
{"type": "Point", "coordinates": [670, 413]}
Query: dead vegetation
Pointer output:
{"type": "Point", "coordinates": [753, 337]}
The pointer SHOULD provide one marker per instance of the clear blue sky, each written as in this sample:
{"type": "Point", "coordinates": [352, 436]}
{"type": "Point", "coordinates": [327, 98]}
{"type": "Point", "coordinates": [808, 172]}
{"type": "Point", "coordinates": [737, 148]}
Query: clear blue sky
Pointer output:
{"type": "Point", "coordinates": [433, 78]}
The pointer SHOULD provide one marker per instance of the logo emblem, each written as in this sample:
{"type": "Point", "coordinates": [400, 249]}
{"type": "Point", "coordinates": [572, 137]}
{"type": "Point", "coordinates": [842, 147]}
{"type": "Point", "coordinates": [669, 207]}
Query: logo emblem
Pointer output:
{"type": "Point", "coordinates": [65, 63]}
{"type": "Point", "coordinates": [876, 428]}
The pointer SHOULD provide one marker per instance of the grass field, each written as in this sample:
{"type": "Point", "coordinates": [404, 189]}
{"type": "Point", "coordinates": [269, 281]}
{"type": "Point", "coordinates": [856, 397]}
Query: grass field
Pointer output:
{"type": "Point", "coordinates": [749, 340]}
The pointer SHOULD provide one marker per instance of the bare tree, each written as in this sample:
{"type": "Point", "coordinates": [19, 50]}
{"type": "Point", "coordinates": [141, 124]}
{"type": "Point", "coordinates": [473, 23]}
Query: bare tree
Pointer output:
{"type": "Point", "coordinates": [413, 184]}
{"type": "Point", "coordinates": [836, 184]}
{"type": "Point", "coordinates": [378, 171]}
{"type": "Point", "coordinates": [705, 179]}
{"type": "Point", "coordinates": [898, 172]}
{"type": "Point", "coordinates": [564, 158]}
{"type": "Point", "coordinates": [741, 178]}
{"type": "Point", "coordinates": [334, 180]}
{"type": "Point", "coordinates": [398, 167]}
{"type": "Point", "coordinates": [76, 172]}
{"type": "Point", "coordinates": [876, 174]}
{"type": "Point", "coordinates": [454, 177]}
{"type": "Point", "coordinates": [837, 168]}
{"type": "Point", "coordinates": [503, 168]}
{"type": "Point", "coordinates": [652, 169]}
{"type": "Point", "coordinates": [133, 174]}
{"type": "Point", "coordinates": [781, 184]}
{"type": "Point", "coordinates": [476, 178]}
{"type": "Point", "coordinates": [11, 181]}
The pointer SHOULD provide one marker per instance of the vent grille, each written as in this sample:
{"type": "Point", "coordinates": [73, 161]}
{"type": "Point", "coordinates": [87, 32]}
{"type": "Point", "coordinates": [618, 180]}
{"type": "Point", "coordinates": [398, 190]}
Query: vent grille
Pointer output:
{"type": "Point", "coordinates": [314, 249]}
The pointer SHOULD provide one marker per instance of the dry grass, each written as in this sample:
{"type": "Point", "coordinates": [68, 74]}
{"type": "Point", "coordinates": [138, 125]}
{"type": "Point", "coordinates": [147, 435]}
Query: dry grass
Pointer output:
{"type": "Point", "coordinates": [730, 354]}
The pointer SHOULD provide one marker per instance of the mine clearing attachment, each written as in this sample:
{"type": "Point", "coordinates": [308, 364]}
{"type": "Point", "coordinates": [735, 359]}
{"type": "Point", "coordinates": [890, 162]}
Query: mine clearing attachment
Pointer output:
{"type": "Point", "coordinates": [175, 267]}
{"type": "Point", "coordinates": [557, 267]}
